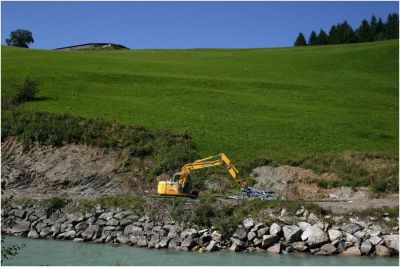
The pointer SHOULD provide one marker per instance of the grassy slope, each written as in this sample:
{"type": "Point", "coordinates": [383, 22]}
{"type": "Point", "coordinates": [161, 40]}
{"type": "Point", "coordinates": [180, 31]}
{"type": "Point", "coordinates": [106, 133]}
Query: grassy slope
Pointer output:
{"type": "Point", "coordinates": [276, 103]}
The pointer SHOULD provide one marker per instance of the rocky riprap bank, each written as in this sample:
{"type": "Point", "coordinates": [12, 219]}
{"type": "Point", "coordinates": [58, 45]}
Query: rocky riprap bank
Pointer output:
{"type": "Point", "coordinates": [310, 234]}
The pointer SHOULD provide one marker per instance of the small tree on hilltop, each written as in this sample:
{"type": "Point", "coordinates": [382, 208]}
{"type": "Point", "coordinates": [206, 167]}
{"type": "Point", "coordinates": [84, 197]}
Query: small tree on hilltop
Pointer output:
{"type": "Point", "coordinates": [322, 38]}
{"type": "Point", "coordinates": [313, 39]}
{"type": "Point", "coordinates": [20, 38]}
{"type": "Point", "coordinates": [301, 40]}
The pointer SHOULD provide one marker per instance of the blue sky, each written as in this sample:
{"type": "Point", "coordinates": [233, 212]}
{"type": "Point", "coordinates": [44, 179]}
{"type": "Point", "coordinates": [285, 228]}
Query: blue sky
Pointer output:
{"type": "Point", "coordinates": [181, 24]}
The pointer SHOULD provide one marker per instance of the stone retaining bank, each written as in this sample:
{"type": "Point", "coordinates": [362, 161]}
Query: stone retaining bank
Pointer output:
{"type": "Point", "coordinates": [305, 232]}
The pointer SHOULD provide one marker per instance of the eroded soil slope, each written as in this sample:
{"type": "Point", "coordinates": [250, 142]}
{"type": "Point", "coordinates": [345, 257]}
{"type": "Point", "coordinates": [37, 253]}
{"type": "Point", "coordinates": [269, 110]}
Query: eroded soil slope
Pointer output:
{"type": "Point", "coordinates": [70, 170]}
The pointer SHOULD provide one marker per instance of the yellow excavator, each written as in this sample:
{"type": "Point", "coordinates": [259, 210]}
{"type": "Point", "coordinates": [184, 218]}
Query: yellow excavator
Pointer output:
{"type": "Point", "coordinates": [180, 183]}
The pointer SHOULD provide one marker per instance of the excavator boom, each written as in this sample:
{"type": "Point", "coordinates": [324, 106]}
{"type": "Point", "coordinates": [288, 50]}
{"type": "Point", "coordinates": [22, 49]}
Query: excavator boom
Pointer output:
{"type": "Point", "coordinates": [180, 182]}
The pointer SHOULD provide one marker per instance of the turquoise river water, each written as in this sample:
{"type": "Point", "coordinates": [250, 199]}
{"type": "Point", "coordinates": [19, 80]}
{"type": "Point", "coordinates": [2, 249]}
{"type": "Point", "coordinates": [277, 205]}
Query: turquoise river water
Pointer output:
{"type": "Point", "coordinates": [57, 252]}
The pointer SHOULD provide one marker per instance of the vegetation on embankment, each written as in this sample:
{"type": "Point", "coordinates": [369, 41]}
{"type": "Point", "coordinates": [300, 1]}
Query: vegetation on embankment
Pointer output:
{"type": "Point", "coordinates": [282, 104]}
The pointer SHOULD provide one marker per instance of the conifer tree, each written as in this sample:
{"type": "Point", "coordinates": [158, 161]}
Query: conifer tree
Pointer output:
{"type": "Point", "coordinates": [373, 25]}
{"type": "Point", "coordinates": [313, 39]}
{"type": "Point", "coordinates": [392, 26]}
{"type": "Point", "coordinates": [322, 38]}
{"type": "Point", "coordinates": [300, 40]}
{"type": "Point", "coordinates": [379, 35]}
{"type": "Point", "coordinates": [364, 32]}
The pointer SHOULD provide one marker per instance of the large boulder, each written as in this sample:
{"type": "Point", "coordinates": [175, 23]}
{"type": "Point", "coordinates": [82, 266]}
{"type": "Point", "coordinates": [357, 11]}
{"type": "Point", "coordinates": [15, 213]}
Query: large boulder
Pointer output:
{"type": "Point", "coordinates": [351, 238]}
{"type": "Point", "coordinates": [19, 213]}
{"type": "Point", "coordinates": [91, 232]}
{"type": "Point", "coordinates": [275, 229]}
{"type": "Point", "coordinates": [234, 248]}
{"type": "Point", "coordinates": [216, 236]}
{"type": "Point", "coordinates": [75, 217]}
{"type": "Point", "coordinates": [240, 233]}
{"type": "Point", "coordinates": [275, 249]}
{"type": "Point", "coordinates": [189, 233]}
{"type": "Point", "coordinates": [123, 239]}
{"type": "Point", "coordinates": [366, 247]}
{"type": "Point", "coordinates": [352, 251]}
{"type": "Point", "coordinates": [142, 242]}
{"type": "Point", "coordinates": [303, 225]}
{"type": "Point", "coordinates": [262, 231]}
{"type": "Point", "coordinates": [299, 246]}
{"type": "Point", "coordinates": [164, 242]}
{"type": "Point", "coordinates": [238, 242]}
{"type": "Point", "coordinates": [351, 228]}
{"type": "Point", "coordinates": [291, 233]}
{"type": "Point", "coordinates": [334, 234]}
{"type": "Point", "coordinates": [269, 240]}
{"type": "Point", "coordinates": [382, 251]}
{"type": "Point", "coordinates": [106, 216]}
{"type": "Point", "coordinates": [20, 227]}
{"type": "Point", "coordinates": [392, 242]}
{"type": "Point", "coordinates": [376, 240]}
{"type": "Point", "coordinates": [189, 243]}
{"type": "Point", "coordinates": [248, 223]}
{"type": "Point", "coordinates": [212, 246]}
{"type": "Point", "coordinates": [33, 234]}
{"type": "Point", "coordinates": [327, 249]}
{"type": "Point", "coordinates": [314, 237]}
{"type": "Point", "coordinates": [113, 222]}
{"type": "Point", "coordinates": [251, 235]}
{"type": "Point", "coordinates": [129, 229]}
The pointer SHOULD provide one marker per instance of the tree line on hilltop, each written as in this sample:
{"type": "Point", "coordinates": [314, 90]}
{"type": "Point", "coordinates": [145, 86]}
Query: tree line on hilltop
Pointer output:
{"type": "Point", "coordinates": [343, 33]}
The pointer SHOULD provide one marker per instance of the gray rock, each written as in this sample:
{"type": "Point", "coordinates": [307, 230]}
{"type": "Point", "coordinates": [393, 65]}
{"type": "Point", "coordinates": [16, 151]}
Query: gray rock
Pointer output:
{"type": "Point", "coordinates": [366, 247]}
{"type": "Point", "coordinates": [291, 233]}
{"type": "Point", "coordinates": [238, 242]}
{"type": "Point", "coordinates": [382, 251]}
{"type": "Point", "coordinates": [175, 242]}
{"type": "Point", "coordinates": [303, 225]}
{"type": "Point", "coordinates": [189, 243]}
{"type": "Point", "coordinates": [262, 231]}
{"type": "Point", "coordinates": [257, 242]}
{"type": "Point", "coordinates": [392, 242]}
{"type": "Point", "coordinates": [375, 240]}
{"type": "Point", "coordinates": [80, 227]}
{"type": "Point", "coordinates": [69, 234]}
{"type": "Point", "coordinates": [312, 219]}
{"type": "Point", "coordinates": [39, 226]}
{"type": "Point", "coordinates": [148, 225]}
{"type": "Point", "coordinates": [257, 227]}
{"type": "Point", "coordinates": [113, 222]}
{"type": "Point", "coordinates": [334, 234]}
{"type": "Point", "coordinates": [275, 229]}
{"type": "Point", "coordinates": [212, 246]}
{"type": "Point", "coordinates": [327, 249]}
{"type": "Point", "coordinates": [123, 239]}
{"type": "Point", "coordinates": [142, 242]}
{"type": "Point", "coordinates": [314, 237]}
{"type": "Point", "coordinates": [164, 242]}
{"type": "Point", "coordinates": [134, 239]}
{"type": "Point", "coordinates": [189, 233]}
{"type": "Point", "coordinates": [19, 213]}
{"type": "Point", "coordinates": [352, 251]}
{"type": "Point", "coordinates": [240, 233]}
{"type": "Point", "coordinates": [269, 240]}
{"type": "Point", "coordinates": [154, 240]}
{"type": "Point", "coordinates": [216, 236]}
{"type": "Point", "coordinates": [106, 216]}
{"type": "Point", "coordinates": [91, 220]}
{"type": "Point", "coordinates": [251, 236]}
{"type": "Point", "coordinates": [351, 228]}
{"type": "Point", "coordinates": [129, 229]}
{"type": "Point", "coordinates": [234, 248]}
{"type": "Point", "coordinates": [20, 227]}
{"type": "Point", "coordinates": [91, 232]}
{"type": "Point", "coordinates": [122, 214]}
{"type": "Point", "coordinates": [300, 212]}
{"type": "Point", "coordinates": [56, 228]}
{"type": "Point", "coordinates": [75, 217]}
{"type": "Point", "coordinates": [33, 234]}
{"type": "Point", "coordinates": [360, 234]}
{"type": "Point", "coordinates": [299, 246]}
{"type": "Point", "coordinates": [275, 249]}
{"type": "Point", "coordinates": [248, 223]}
{"type": "Point", "coordinates": [374, 232]}
{"type": "Point", "coordinates": [206, 237]}
{"type": "Point", "coordinates": [45, 232]}
{"type": "Point", "coordinates": [351, 238]}
{"type": "Point", "coordinates": [100, 222]}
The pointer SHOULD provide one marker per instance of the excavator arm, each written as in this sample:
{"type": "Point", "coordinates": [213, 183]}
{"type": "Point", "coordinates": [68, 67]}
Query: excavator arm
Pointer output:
{"type": "Point", "coordinates": [220, 159]}
{"type": "Point", "coordinates": [179, 185]}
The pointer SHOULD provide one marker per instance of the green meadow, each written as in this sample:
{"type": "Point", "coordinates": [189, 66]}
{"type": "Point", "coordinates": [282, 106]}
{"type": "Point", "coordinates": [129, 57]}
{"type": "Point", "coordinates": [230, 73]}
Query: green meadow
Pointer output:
{"type": "Point", "coordinates": [279, 103]}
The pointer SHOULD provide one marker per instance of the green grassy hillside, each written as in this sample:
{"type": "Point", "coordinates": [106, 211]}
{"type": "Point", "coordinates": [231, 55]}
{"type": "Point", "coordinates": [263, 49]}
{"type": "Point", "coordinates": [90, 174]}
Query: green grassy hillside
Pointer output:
{"type": "Point", "coordinates": [280, 103]}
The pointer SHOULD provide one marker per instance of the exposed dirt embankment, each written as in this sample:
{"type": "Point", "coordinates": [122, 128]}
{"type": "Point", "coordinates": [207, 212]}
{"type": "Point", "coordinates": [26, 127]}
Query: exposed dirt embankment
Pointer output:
{"type": "Point", "coordinates": [67, 171]}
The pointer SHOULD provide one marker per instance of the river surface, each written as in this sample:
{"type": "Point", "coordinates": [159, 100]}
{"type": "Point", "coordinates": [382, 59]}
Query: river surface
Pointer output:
{"type": "Point", "coordinates": [58, 252]}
